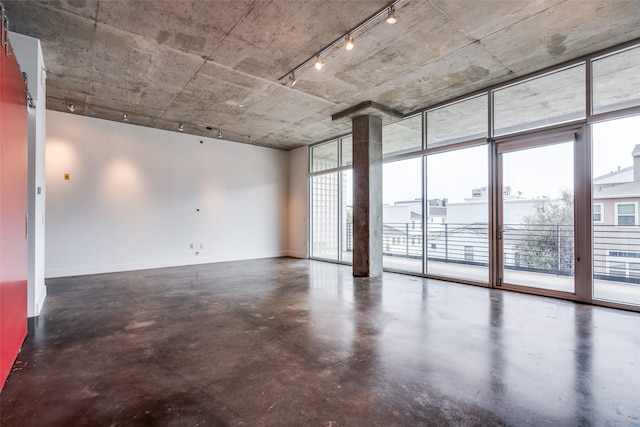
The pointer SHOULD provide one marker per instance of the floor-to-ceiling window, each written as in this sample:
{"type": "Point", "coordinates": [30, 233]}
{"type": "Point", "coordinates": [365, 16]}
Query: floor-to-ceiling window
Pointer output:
{"type": "Point", "coordinates": [331, 200]}
{"type": "Point", "coordinates": [402, 215]}
{"type": "Point", "coordinates": [530, 185]}
{"type": "Point", "coordinates": [457, 225]}
{"type": "Point", "coordinates": [616, 219]}
{"type": "Point", "coordinates": [346, 160]}
{"type": "Point", "coordinates": [402, 195]}
{"type": "Point", "coordinates": [324, 196]}
{"type": "Point", "coordinates": [616, 177]}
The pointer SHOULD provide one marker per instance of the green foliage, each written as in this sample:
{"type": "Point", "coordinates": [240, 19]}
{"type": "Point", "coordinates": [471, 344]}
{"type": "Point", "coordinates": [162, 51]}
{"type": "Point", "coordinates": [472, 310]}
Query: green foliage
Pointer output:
{"type": "Point", "coordinates": [547, 242]}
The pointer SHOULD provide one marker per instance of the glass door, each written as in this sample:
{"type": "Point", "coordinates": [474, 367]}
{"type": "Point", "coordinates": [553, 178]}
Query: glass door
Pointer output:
{"type": "Point", "coordinates": [535, 215]}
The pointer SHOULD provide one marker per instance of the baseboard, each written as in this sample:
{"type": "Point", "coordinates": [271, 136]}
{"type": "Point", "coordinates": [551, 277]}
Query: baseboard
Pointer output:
{"type": "Point", "coordinates": [116, 268]}
{"type": "Point", "coordinates": [39, 303]}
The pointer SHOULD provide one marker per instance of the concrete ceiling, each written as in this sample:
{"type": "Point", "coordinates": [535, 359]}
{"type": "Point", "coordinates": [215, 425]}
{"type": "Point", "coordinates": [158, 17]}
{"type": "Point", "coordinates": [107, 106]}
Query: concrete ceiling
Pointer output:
{"type": "Point", "coordinates": [216, 63]}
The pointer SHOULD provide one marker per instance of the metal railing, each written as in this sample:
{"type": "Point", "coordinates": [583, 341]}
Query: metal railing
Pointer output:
{"type": "Point", "coordinates": [616, 253]}
{"type": "Point", "coordinates": [542, 248]}
{"type": "Point", "coordinates": [527, 247]}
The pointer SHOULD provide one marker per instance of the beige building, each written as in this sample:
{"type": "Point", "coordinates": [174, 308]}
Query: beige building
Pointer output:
{"type": "Point", "coordinates": [616, 225]}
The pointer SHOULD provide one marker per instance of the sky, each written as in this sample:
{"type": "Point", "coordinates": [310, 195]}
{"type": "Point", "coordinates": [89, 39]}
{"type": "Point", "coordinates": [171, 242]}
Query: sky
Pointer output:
{"type": "Point", "coordinates": [613, 143]}
{"type": "Point", "coordinates": [537, 172]}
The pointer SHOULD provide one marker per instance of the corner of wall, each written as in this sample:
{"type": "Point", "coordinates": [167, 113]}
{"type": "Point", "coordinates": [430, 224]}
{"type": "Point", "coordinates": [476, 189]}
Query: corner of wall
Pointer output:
{"type": "Point", "coordinates": [298, 202]}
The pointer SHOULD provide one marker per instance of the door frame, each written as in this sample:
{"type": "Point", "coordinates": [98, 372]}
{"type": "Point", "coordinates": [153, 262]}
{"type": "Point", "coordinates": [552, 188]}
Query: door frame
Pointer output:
{"type": "Point", "coordinates": [582, 206]}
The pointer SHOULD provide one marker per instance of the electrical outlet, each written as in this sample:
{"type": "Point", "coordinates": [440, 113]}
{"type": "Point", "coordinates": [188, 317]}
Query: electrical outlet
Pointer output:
{"type": "Point", "coordinates": [190, 245]}
{"type": "Point", "coordinates": [201, 245]}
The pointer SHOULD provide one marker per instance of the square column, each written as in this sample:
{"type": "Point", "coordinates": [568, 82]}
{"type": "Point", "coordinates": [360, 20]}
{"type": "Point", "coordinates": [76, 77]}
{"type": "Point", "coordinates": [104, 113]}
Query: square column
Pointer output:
{"type": "Point", "coordinates": [367, 196]}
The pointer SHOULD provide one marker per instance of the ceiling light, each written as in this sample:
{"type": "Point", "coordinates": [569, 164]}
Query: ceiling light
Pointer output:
{"type": "Point", "coordinates": [219, 133]}
{"type": "Point", "coordinates": [387, 12]}
{"type": "Point", "coordinates": [70, 107]}
{"type": "Point", "coordinates": [348, 42]}
{"type": "Point", "coordinates": [180, 127]}
{"type": "Point", "coordinates": [124, 117]}
{"type": "Point", "coordinates": [391, 19]}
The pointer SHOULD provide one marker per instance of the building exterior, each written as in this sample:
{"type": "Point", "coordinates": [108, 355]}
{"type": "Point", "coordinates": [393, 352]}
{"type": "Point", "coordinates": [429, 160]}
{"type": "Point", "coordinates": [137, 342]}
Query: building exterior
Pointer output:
{"type": "Point", "coordinates": [616, 223]}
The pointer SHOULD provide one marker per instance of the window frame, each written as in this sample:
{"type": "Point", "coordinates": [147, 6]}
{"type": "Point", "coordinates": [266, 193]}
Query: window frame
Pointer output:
{"type": "Point", "coordinates": [635, 214]}
{"type": "Point", "coordinates": [601, 220]}
{"type": "Point", "coordinates": [584, 209]}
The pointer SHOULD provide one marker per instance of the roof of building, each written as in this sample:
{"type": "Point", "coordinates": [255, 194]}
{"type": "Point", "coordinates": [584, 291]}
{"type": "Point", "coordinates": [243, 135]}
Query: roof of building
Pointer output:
{"type": "Point", "coordinates": [615, 177]}
{"type": "Point", "coordinates": [615, 191]}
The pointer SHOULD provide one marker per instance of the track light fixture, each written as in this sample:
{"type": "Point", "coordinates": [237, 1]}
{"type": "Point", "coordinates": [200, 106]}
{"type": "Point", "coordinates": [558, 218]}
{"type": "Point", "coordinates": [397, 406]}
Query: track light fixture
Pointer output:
{"type": "Point", "coordinates": [124, 117]}
{"type": "Point", "coordinates": [180, 127]}
{"type": "Point", "coordinates": [219, 133]}
{"type": "Point", "coordinates": [388, 13]}
{"type": "Point", "coordinates": [391, 18]}
{"type": "Point", "coordinates": [319, 63]}
{"type": "Point", "coordinates": [70, 107]}
{"type": "Point", "coordinates": [348, 42]}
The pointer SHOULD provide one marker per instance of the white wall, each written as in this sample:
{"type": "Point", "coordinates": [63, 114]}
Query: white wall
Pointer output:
{"type": "Point", "coordinates": [29, 55]}
{"type": "Point", "coordinates": [298, 189]}
{"type": "Point", "coordinates": [131, 199]}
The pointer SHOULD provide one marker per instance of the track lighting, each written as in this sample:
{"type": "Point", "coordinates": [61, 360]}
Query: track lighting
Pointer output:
{"type": "Point", "coordinates": [219, 133]}
{"type": "Point", "coordinates": [180, 127]}
{"type": "Point", "coordinates": [387, 13]}
{"type": "Point", "coordinates": [391, 19]}
{"type": "Point", "coordinates": [124, 117]}
{"type": "Point", "coordinates": [70, 107]}
{"type": "Point", "coordinates": [348, 42]}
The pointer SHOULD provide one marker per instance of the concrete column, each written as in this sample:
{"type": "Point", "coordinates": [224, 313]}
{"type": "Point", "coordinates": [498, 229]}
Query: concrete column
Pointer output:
{"type": "Point", "coordinates": [367, 196]}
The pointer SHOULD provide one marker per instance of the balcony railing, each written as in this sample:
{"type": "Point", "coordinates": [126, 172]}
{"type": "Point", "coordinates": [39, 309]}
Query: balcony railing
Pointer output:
{"type": "Point", "coordinates": [616, 253]}
{"type": "Point", "coordinates": [536, 248]}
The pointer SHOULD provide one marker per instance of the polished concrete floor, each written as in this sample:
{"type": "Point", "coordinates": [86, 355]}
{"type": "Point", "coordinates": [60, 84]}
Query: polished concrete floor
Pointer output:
{"type": "Point", "coordinates": [285, 342]}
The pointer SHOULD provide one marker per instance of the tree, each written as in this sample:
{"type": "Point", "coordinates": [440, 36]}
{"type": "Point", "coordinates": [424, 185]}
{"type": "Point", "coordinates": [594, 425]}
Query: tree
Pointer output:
{"type": "Point", "coordinates": [547, 241]}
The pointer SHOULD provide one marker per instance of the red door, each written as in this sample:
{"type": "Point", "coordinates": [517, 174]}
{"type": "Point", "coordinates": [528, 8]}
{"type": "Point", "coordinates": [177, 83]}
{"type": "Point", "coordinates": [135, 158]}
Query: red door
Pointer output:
{"type": "Point", "coordinates": [13, 210]}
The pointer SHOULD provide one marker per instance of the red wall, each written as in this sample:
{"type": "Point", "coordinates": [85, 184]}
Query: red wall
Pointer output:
{"type": "Point", "coordinates": [13, 209]}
